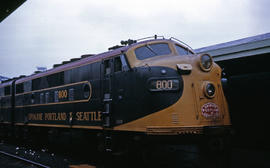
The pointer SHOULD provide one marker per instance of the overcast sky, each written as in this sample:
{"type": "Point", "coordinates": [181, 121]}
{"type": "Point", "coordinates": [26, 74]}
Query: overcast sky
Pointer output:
{"type": "Point", "coordinates": [42, 33]}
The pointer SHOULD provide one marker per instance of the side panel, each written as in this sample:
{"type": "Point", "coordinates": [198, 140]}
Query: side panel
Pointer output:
{"type": "Point", "coordinates": [74, 103]}
{"type": "Point", "coordinates": [19, 112]}
{"type": "Point", "coordinates": [107, 92]}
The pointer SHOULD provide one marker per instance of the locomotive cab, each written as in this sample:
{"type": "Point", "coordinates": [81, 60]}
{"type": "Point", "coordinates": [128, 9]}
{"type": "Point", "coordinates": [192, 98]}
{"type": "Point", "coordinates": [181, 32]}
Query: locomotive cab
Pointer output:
{"type": "Point", "coordinates": [182, 89]}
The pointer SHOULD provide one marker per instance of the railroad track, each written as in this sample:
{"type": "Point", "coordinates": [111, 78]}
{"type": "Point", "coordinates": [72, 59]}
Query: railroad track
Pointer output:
{"type": "Point", "coordinates": [12, 156]}
{"type": "Point", "coordinates": [27, 161]}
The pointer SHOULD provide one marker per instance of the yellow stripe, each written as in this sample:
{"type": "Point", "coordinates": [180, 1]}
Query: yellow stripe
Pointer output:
{"type": "Point", "coordinates": [6, 107]}
{"type": "Point", "coordinates": [70, 84]}
{"type": "Point", "coordinates": [5, 122]}
{"type": "Point", "coordinates": [49, 125]}
{"type": "Point", "coordinates": [76, 101]}
{"type": "Point", "coordinates": [82, 166]}
{"type": "Point", "coordinates": [66, 102]}
{"type": "Point", "coordinates": [19, 124]}
{"type": "Point", "coordinates": [60, 126]}
{"type": "Point", "coordinates": [87, 127]}
{"type": "Point", "coordinates": [5, 96]}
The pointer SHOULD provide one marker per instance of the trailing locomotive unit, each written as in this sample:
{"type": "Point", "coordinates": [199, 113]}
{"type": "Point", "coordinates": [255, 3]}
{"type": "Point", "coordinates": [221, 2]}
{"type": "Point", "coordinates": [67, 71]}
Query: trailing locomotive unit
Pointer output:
{"type": "Point", "coordinates": [155, 87]}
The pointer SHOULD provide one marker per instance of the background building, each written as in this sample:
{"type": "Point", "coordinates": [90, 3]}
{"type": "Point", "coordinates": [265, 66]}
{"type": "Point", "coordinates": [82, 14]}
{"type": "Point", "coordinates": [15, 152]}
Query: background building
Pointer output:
{"type": "Point", "coordinates": [2, 78]}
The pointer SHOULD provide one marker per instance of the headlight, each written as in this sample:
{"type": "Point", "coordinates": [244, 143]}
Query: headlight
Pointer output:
{"type": "Point", "coordinates": [206, 62]}
{"type": "Point", "coordinates": [209, 90]}
{"type": "Point", "coordinates": [164, 84]}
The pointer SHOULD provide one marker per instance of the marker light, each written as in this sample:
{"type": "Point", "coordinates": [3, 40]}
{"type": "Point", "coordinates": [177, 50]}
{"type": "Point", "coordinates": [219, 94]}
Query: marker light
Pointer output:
{"type": "Point", "coordinates": [206, 62]}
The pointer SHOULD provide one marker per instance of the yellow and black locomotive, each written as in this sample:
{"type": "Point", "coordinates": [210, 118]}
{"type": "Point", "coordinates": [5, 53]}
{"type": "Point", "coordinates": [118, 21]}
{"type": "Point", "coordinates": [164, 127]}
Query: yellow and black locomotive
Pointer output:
{"type": "Point", "coordinates": [151, 87]}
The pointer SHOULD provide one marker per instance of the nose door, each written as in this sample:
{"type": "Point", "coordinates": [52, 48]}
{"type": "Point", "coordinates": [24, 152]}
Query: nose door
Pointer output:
{"type": "Point", "coordinates": [113, 89]}
{"type": "Point", "coordinates": [107, 66]}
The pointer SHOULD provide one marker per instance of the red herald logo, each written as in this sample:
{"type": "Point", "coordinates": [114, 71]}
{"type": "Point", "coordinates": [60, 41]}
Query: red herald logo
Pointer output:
{"type": "Point", "coordinates": [210, 110]}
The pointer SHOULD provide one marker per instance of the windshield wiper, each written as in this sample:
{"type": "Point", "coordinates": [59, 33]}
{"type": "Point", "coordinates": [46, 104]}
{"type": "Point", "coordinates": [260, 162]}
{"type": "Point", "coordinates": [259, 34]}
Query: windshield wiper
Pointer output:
{"type": "Point", "coordinates": [151, 49]}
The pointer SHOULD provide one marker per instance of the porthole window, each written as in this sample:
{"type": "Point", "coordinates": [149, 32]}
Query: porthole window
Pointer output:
{"type": "Point", "coordinates": [41, 98]}
{"type": "Point", "coordinates": [86, 91]}
{"type": "Point", "coordinates": [47, 96]}
{"type": "Point", "coordinates": [32, 98]}
{"type": "Point", "coordinates": [56, 96]}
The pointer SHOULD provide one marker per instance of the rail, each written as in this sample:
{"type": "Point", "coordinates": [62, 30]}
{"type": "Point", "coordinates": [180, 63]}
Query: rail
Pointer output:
{"type": "Point", "coordinates": [23, 159]}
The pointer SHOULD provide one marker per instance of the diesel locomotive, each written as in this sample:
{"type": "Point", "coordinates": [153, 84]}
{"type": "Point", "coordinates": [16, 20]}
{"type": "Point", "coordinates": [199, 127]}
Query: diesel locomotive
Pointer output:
{"type": "Point", "coordinates": [153, 87]}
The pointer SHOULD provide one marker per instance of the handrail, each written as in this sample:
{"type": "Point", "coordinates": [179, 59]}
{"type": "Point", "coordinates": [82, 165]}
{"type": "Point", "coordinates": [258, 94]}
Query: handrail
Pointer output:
{"type": "Point", "coordinates": [186, 45]}
{"type": "Point", "coordinates": [155, 37]}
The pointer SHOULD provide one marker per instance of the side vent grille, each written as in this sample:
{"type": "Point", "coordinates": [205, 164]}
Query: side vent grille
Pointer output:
{"type": "Point", "coordinates": [175, 118]}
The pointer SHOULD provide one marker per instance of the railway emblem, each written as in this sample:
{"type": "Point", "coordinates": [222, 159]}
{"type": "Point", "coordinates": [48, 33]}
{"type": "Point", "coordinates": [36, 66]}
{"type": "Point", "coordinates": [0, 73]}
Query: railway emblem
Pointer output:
{"type": "Point", "coordinates": [210, 110]}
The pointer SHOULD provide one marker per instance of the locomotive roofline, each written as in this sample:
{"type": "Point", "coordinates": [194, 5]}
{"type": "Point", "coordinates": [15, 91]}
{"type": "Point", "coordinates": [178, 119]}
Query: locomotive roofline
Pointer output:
{"type": "Point", "coordinates": [81, 62]}
{"type": "Point", "coordinates": [7, 83]}
{"type": "Point", "coordinates": [92, 59]}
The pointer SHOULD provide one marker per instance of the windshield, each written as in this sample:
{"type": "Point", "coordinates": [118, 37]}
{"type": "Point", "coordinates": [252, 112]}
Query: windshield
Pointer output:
{"type": "Point", "coordinates": [152, 50]}
{"type": "Point", "coordinates": [182, 51]}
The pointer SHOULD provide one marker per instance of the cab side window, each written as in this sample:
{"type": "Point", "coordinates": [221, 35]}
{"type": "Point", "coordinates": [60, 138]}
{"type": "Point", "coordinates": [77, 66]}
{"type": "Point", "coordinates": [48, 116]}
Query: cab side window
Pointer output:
{"type": "Point", "coordinates": [120, 63]}
{"type": "Point", "coordinates": [117, 64]}
{"type": "Point", "coordinates": [107, 67]}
